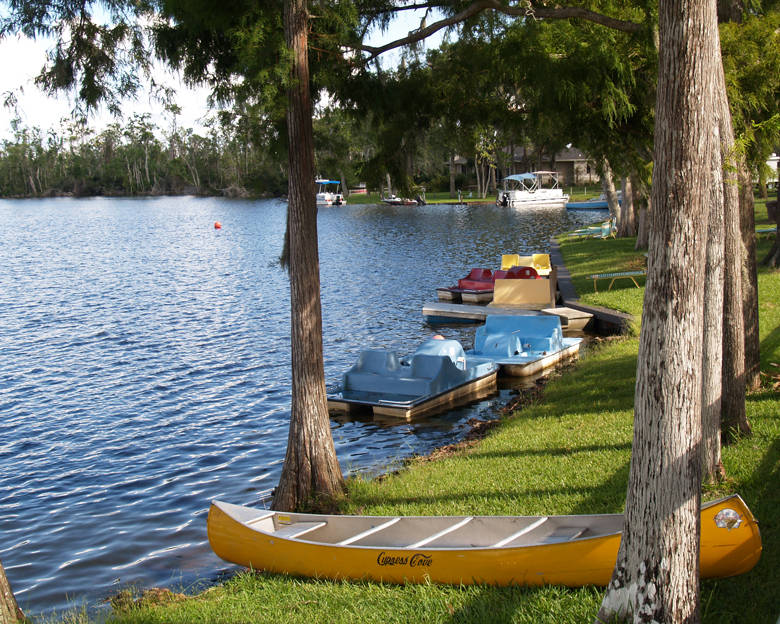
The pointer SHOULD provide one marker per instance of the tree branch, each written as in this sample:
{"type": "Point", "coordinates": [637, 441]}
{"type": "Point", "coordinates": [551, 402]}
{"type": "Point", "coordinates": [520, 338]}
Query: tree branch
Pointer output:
{"type": "Point", "coordinates": [514, 11]}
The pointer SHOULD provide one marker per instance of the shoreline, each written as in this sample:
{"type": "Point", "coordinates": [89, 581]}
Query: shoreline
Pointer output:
{"type": "Point", "coordinates": [584, 422]}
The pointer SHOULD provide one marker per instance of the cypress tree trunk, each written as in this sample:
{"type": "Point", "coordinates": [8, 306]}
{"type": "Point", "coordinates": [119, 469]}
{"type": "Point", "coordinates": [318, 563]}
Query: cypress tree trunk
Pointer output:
{"type": "Point", "coordinates": [656, 576]}
{"type": "Point", "coordinates": [627, 221]}
{"type": "Point", "coordinates": [749, 278]}
{"type": "Point", "coordinates": [608, 186]}
{"type": "Point", "coordinates": [643, 231]}
{"type": "Point", "coordinates": [712, 369]}
{"type": "Point", "coordinates": [734, 419]}
{"type": "Point", "coordinates": [477, 170]}
{"type": "Point", "coordinates": [311, 468]}
{"type": "Point", "coordinates": [10, 613]}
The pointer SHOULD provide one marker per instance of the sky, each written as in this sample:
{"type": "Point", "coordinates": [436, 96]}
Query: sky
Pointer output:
{"type": "Point", "coordinates": [22, 58]}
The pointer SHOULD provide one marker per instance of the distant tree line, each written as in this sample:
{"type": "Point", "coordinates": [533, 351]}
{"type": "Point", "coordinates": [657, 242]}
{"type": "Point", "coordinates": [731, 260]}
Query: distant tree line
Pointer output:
{"type": "Point", "coordinates": [138, 158]}
{"type": "Point", "coordinates": [239, 155]}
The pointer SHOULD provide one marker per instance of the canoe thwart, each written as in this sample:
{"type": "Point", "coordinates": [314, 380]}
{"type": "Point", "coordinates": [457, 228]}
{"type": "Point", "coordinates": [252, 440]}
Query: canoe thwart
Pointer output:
{"type": "Point", "coordinates": [564, 534]}
{"type": "Point", "coordinates": [441, 533]}
{"type": "Point", "coordinates": [297, 529]}
{"type": "Point", "coordinates": [511, 538]}
{"type": "Point", "coordinates": [260, 518]}
{"type": "Point", "coordinates": [367, 532]}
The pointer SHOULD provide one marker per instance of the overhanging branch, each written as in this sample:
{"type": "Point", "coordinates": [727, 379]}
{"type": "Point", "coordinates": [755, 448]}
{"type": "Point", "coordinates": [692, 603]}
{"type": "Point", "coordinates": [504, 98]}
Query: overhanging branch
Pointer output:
{"type": "Point", "coordinates": [515, 11]}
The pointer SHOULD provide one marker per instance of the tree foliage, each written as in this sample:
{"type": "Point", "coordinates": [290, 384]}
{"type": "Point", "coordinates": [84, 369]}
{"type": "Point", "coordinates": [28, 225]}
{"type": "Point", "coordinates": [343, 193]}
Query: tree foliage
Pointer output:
{"type": "Point", "coordinates": [751, 61]}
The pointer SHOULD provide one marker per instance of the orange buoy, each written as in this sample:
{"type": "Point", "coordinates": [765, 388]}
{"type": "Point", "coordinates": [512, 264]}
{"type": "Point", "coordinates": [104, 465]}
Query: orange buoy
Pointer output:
{"type": "Point", "coordinates": [217, 225]}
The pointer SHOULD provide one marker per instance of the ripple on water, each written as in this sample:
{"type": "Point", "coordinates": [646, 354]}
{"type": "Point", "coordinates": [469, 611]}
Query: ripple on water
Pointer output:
{"type": "Point", "coordinates": [145, 367]}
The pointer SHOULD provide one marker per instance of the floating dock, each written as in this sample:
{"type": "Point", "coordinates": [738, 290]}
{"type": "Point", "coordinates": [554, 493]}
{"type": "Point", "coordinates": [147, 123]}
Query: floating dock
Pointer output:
{"type": "Point", "coordinates": [441, 312]}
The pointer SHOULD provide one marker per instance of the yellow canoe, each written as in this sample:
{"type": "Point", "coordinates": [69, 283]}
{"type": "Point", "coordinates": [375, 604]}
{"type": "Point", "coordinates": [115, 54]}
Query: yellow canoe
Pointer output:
{"type": "Point", "coordinates": [496, 550]}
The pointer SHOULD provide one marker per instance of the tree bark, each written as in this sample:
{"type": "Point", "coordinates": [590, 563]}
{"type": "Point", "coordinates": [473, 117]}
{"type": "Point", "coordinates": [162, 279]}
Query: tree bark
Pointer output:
{"type": "Point", "coordinates": [626, 221]}
{"type": "Point", "coordinates": [643, 231]}
{"type": "Point", "coordinates": [311, 469]}
{"type": "Point", "coordinates": [478, 171]}
{"type": "Point", "coordinates": [608, 186]}
{"type": "Point", "coordinates": [733, 420]}
{"type": "Point", "coordinates": [656, 576]}
{"type": "Point", "coordinates": [712, 369]}
{"type": "Point", "coordinates": [10, 613]}
{"type": "Point", "coordinates": [749, 277]}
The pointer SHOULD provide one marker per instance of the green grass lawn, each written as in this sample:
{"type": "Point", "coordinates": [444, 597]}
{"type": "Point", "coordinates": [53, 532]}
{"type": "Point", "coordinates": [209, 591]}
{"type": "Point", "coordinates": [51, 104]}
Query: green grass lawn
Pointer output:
{"type": "Point", "coordinates": [566, 454]}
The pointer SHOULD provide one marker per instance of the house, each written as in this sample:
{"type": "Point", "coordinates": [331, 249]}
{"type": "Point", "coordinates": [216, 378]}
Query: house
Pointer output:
{"type": "Point", "coordinates": [573, 166]}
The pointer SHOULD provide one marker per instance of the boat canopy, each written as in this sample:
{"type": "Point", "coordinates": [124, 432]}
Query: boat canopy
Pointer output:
{"type": "Point", "coordinates": [521, 176]}
{"type": "Point", "coordinates": [327, 182]}
{"type": "Point", "coordinates": [534, 180]}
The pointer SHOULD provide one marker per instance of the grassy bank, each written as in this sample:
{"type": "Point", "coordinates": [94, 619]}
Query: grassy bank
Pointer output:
{"type": "Point", "coordinates": [566, 454]}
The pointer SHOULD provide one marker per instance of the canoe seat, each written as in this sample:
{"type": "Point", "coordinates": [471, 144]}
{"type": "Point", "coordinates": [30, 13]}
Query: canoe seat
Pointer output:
{"type": "Point", "coordinates": [296, 529]}
{"type": "Point", "coordinates": [563, 534]}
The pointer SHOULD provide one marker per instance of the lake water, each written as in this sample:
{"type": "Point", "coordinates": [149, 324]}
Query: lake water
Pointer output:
{"type": "Point", "coordinates": [144, 368]}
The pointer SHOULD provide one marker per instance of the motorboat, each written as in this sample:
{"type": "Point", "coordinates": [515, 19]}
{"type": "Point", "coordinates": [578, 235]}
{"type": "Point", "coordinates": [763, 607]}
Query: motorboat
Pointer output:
{"type": "Point", "coordinates": [435, 377]}
{"type": "Point", "coordinates": [329, 193]}
{"type": "Point", "coordinates": [523, 345]}
{"type": "Point", "coordinates": [537, 188]}
{"type": "Point", "coordinates": [574, 550]}
{"type": "Point", "coordinates": [594, 203]}
{"type": "Point", "coordinates": [393, 200]}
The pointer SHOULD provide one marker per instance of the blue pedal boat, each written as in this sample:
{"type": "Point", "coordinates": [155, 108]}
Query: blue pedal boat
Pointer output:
{"type": "Point", "coordinates": [523, 345]}
{"type": "Point", "coordinates": [438, 375]}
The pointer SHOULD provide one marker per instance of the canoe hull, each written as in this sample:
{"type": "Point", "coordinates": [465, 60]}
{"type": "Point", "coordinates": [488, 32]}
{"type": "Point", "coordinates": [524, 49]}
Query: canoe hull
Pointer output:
{"type": "Point", "coordinates": [589, 561]}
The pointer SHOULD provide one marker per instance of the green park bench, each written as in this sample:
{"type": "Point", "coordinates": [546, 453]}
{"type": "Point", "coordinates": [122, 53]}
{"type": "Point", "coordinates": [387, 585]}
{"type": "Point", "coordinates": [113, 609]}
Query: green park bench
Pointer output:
{"type": "Point", "coordinates": [615, 276]}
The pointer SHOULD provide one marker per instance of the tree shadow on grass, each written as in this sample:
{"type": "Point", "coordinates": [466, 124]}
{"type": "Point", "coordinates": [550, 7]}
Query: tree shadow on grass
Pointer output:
{"type": "Point", "coordinates": [770, 345]}
{"type": "Point", "coordinates": [484, 496]}
{"type": "Point", "coordinates": [763, 396]}
{"type": "Point", "coordinates": [537, 603]}
{"type": "Point", "coordinates": [606, 387]}
{"type": "Point", "coordinates": [541, 605]}
{"type": "Point", "coordinates": [559, 452]}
